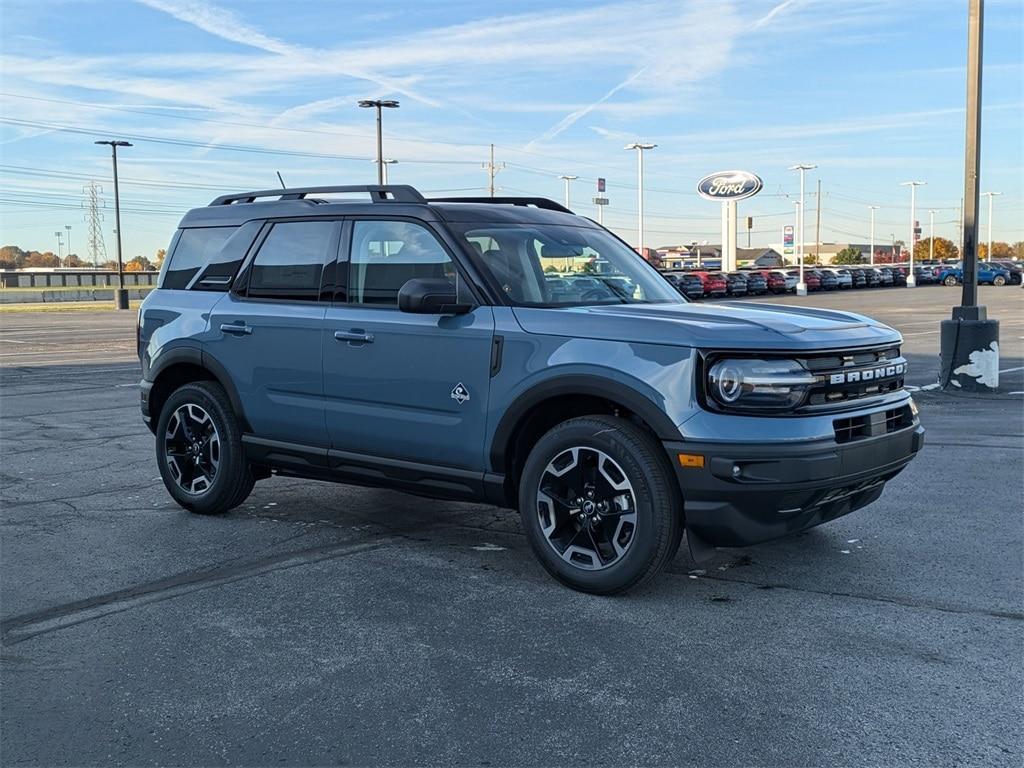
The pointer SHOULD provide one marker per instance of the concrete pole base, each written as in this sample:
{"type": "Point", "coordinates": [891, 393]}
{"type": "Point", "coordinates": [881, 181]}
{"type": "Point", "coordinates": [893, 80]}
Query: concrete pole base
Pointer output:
{"type": "Point", "coordinates": [911, 282]}
{"type": "Point", "coordinates": [120, 298]}
{"type": "Point", "coordinates": [801, 289]}
{"type": "Point", "coordinates": [969, 351]}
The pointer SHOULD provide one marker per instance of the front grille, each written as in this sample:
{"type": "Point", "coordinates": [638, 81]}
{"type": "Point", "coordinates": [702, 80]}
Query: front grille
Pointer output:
{"type": "Point", "coordinates": [855, 375]}
{"type": "Point", "coordinates": [855, 428]}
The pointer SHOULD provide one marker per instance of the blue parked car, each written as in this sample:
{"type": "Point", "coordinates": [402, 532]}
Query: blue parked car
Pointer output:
{"type": "Point", "coordinates": [988, 274]}
{"type": "Point", "coordinates": [430, 346]}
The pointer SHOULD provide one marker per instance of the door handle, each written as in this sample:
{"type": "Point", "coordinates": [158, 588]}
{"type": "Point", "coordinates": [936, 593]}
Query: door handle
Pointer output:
{"type": "Point", "coordinates": [356, 335]}
{"type": "Point", "coordinates": [236, 328]}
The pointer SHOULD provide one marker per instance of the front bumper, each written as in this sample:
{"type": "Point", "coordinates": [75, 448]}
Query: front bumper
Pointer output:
{"type": "Point", "coordinates": [754, 492]}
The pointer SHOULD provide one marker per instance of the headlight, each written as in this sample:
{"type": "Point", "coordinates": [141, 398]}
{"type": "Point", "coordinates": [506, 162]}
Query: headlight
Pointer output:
{"type": "Point", "coordinates": [758, 385]}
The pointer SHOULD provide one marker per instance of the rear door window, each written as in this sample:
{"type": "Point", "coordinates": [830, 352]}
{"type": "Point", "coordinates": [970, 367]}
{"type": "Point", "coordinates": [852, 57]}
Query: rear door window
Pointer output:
{"type": "Point", "coordinates": [290, 263]}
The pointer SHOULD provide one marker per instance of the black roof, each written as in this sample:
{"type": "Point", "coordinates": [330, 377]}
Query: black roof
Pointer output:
{"type": "Point", "coordinates": [399, 200]}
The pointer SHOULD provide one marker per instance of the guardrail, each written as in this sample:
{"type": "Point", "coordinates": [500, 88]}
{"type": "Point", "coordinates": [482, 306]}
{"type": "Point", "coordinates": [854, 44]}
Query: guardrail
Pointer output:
{"type": "Point", "coordinates": [86, 278]}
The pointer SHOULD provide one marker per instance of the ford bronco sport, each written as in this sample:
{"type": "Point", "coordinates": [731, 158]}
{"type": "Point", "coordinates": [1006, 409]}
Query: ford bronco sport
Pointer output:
{"type": "Point", "coordinates": [507, 350]}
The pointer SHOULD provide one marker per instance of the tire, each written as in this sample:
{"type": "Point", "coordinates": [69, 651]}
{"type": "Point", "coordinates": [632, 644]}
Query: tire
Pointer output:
{"type": "Point", "coordinates": [643, 522]}
{"type": "Point", "coordinates": [998, 280]}
{"type": "Point", "coordinates": [950, 281]}
{"type": "Point", "coordinates": [199, 445]}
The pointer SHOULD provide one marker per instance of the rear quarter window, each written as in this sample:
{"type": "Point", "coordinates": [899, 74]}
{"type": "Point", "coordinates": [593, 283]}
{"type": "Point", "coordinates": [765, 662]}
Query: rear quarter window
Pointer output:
{"type": "Point", "coordinates": [197, 248]}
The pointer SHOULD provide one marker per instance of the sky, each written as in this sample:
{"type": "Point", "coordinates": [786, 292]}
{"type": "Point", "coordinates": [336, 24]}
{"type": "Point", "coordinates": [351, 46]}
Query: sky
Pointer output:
{"type": "Point", "coordinates": [217, 96]}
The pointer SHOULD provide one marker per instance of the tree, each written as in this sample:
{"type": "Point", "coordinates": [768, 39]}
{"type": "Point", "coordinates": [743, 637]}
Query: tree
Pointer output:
{"type": "Point", "coordinates": [37, 259]}
{"type": "Point", "coordinates": [161, 254]}
{"type": "Point", "coordinates": [849, 255]}
{"type": "Point", "coordinates": [12, 254]}
{"type": "Point", "coordinates": [74, 261]}
{"type": "Point", "coordinates": [944, 249]}
{"type": "Point", "coordinates": [1000, 250]}
{"type": "Point", "coordinates": [1018, 250]}
{"type": "Point", "coordinates": [138, 264]}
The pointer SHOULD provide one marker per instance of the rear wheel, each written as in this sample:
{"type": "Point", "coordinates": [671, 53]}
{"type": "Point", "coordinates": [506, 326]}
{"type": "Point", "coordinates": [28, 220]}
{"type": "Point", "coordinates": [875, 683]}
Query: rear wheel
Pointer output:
{"type": "Point", "coordinates": [199, 450]}
{"type": "Point", "coordinates": [950, 280]}
{"type": "Point", "coordinates": [599, 504]}
{"type": "Point", "coordinates": [998, 280]}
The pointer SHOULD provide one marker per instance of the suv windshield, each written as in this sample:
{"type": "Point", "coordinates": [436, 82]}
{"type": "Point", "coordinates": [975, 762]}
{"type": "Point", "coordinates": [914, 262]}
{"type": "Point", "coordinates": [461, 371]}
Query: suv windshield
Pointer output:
{"type": "Point", "coordinates": [549, 265]}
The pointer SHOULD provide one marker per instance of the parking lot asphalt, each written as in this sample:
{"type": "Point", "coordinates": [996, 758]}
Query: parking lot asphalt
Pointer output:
{"type": "Point", "coordinates": [326, 624]}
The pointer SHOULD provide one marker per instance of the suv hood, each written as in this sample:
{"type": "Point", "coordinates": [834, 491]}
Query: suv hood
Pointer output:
{"type": "Point", "coordinates": [736, 325]}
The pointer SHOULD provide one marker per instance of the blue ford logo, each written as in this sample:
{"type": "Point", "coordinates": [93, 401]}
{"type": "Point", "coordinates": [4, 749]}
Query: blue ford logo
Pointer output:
{"type": "Point", "coordinates": [729, 185]}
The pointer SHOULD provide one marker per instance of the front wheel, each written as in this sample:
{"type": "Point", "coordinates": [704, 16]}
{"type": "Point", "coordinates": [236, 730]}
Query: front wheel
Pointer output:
{"type": "Point", "coordinates": [998, 280]}
{"type": "Point", "coordinates": [199, 450]}
{"type": "Point", "coordinates": [950, 281]}
{"type": "Point", "coordinates": [599, 504]}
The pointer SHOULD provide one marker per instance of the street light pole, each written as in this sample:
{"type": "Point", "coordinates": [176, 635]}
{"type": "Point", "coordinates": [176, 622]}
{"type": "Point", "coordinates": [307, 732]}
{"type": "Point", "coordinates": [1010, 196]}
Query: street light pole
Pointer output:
{"type": "Point", "coordinates": [640, 147]}
{"type": "Point", "coordinates": [379, 104]}
{"type": "Point", "coordinates": [58, 234]}
{"type": "Point", "coordinates": [988, 249]}
{"type": "Point", "coordinates": [120, 294]}
{"type": "Point", "coordinates": [385, 163]}
{"type": "Point", "coordinates": [931, 235]}
{"type": "Point", "coordinates": [568, 180]}
{"type": "Point", "coordinates": [911, 282]}
{"type": "Point", "coordinates": [801, 286]}
{"type": "Point", "coordinates": [68, 228]}
{"type": "Point", "coordinates": [871, 257]}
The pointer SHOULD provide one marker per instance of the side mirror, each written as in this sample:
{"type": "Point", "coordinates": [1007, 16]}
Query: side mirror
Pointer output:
{"type": "Point", "coordinates": [430, 296]}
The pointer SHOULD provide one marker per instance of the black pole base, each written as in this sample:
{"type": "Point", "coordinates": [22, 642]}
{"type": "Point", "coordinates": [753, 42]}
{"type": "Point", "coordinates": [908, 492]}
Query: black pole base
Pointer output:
{"type": "Point", "coordinates": [120, 298]}
{"type": "Point", "coordinates": [969, 351]}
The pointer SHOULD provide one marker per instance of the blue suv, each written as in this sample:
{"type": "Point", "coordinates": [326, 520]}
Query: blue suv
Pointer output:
{"type": "Point", "coordinates": [509, 351]}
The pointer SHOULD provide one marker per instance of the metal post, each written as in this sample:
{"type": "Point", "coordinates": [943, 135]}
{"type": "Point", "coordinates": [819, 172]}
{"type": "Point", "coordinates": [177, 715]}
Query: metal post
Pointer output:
{"type": "Point", "coordinates": [988, 248]}
{"type": "Point", "coordinates": [871, 257]}
{"type": "Point", "coordinates": [801, 286]}
{"type": "Point", "coordinates": [640, 147]}
{"type": "Point", "coordinates": [380, 149]}
{"type": "Point", "coordinates": [122, 294]}
{"type": "Point", "coordinates": [969, 358]}
{"type": "Point", "coordinates": [68, 228]}
{"type": "Point", "coordinates": [911, 282]}
{"type": "Point", "coordinates": [568, 180]}
{"type": "Point", "coordinates": [817, 228]}
{"type": "Point", "coordinates": [729, 256]}
{"type": "Point", "coordinates": [931, 235]}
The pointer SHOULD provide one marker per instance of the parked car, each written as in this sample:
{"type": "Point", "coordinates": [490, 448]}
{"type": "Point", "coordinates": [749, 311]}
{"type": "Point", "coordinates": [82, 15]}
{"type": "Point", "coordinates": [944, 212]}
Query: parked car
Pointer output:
{"type": "Point", "coordinates": [828, 279]}
{"type": "Point", "coordinates": [858, 277]}
{"type": "Point", "coordinates": [987, 274]}
{"type": "Point", "coordinates": [844, 279]}
{"type": "Point", "coordinates": [899, 276]}
{"type": "Point", "coordinates": [757, 283]}
{"type": "Point", "coordinates": [923, 276]}
{"type": "Point", "coordinates": [422, 350]}
{"type": "Point", "coordinates": [693, 286]}
{"type": "Point", "coordinates": [714, 284]}
{"type": "Point", "coordinates": [736, 284]}
{"type": "Point", "coordinates": [873, 277]}
{"type": "Point", "coordinates": [788, 284]}
{"type": "Point", "coordinates": [885, 277]}
{"type": "Point", "coordinates": [811, 279]}
{"type": "Point", "coordinates": [1014, 269]}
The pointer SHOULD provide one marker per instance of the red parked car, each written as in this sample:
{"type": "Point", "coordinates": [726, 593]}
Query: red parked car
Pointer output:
{"type": "Point", "coordinates": [776, 281]}
{"type": "Point", "coordinates": [714, 283]}
{"type": "Point", "coordinates": [811, 280]}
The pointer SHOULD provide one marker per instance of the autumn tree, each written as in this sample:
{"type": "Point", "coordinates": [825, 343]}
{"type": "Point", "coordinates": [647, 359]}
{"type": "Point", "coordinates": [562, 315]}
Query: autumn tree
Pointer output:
{"type": "Point", "coordinates": [944, 249]}
{"type": "Point", "coordinates": [1000, 251]}
{"type": "Point", "coordinates": [849, 255]}
{"type": "Point", "coordinates": [37, 259]}
{"type": "Point", "coordinates": [161, 254]}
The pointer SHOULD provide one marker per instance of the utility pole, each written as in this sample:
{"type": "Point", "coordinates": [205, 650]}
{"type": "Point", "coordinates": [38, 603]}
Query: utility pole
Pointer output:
{"type": "Point", "coordinates": [568, 180]}
{"type": "Point", "coordinates": [931, 235]}
{"type": "Point", "coordinates": [960, 230]}
{"type": "Point", "coordinates": [911, 282]}
{"type": "Point", "coordinates": [121, 294]}
{"type": "Point", "coordinates": [871, 257]}
{"type": "Point", "coordinates": [93, 218]}
{"type": "Point", "coordinates": [988, 249]}
{"type": "Point", "coordinates": [640, 148]}
{"type": "Point", "coordinates": [801, 286]}
{"type": "Point", "coordinates": [969, 345]}
{"type": "Point", "coordinates": [492, 169]}
{"type": "Point", "coordinates": [817, 229]}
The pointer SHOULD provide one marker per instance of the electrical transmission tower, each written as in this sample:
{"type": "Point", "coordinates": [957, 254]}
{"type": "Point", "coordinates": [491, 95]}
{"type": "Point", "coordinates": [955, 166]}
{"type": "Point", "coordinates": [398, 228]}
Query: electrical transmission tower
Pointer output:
{"type": "Point", "coordinates": [93, 218]}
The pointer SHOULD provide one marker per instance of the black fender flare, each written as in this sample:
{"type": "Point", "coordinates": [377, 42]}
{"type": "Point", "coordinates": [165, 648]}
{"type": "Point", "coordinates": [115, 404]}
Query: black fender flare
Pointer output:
{"type": "Point", "coordinates": [194, 355]}
{"type": "Point", "coordinates": [577, 384]}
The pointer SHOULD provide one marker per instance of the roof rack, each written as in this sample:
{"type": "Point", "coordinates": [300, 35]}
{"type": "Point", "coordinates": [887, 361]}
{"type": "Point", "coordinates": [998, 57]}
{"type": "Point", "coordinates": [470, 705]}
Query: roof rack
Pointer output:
{"type": "Point", "coordinates": [387, 193]}
{"type": "Point", "coordinates": [536, 202]}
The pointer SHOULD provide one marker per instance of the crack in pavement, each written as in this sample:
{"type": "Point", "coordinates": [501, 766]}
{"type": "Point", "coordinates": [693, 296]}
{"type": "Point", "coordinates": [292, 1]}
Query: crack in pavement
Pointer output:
{"type": "Point", "coordinates": [18, 629]}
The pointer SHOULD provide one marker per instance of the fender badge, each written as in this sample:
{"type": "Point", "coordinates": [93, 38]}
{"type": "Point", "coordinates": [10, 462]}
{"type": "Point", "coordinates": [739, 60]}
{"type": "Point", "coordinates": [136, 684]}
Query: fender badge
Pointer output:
{"type": "Point", "coordinates": [460, 394]}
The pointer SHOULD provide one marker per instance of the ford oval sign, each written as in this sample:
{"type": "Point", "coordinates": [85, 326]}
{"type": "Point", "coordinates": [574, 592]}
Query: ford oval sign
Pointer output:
{"type": "Point", "coordinates": [729, 185]}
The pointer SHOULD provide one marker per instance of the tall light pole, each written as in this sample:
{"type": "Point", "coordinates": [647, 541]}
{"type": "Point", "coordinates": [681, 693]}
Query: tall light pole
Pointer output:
{"type": "Point", "coordinates": [58, 234]}
{"type": "Point", "coordinates": [568, 180]}
{"type": "Point", "coordinates": [931, 235]}
{"type": "Point", "coordinates": [988, 251]}
{"type": "Point", "coordinates": [68, 228]}
{"type": "Point", "coordinates": [911, 282]}
{"type": "Point", "coordinates": [871, 258]}
{"type": "Point", "coordinates": [120, 294]}
{"type": "Point", "coordinates": [386, 162]}
{"type": "Point", "coordinates": [379, 104]}
{"type": "Point", "coordinates": [640, 147]}
{"type": "Point", "coordinates": [801, 286]}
